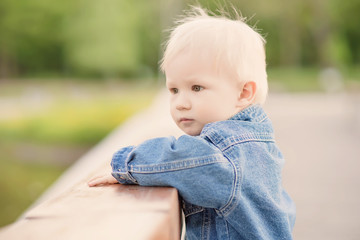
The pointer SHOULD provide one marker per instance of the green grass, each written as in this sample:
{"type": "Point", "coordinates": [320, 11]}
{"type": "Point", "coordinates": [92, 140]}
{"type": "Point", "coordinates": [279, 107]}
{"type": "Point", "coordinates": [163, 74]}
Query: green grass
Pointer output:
{"type": "Point", "coordinates": [72, 122]}
{"type": "Point", "coordinates": [81, 118]}
{"type": "Point", "coordinates": [22, 183]}
{"type": "Point", "coordinates": [293, 80]}
{"type": "Point", "coordinates": [307, 79]}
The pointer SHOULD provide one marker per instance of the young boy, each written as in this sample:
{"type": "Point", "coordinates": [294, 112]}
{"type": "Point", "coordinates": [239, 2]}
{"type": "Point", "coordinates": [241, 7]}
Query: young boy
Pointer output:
{"type": "Point", "coordinates": [227, 168]}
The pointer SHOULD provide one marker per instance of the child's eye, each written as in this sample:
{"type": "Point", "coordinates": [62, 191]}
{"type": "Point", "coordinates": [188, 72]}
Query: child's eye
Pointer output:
{"type": "Point", "coordinates": [197, 88]}
{"type": "Point", "coordinates": [174, 90]}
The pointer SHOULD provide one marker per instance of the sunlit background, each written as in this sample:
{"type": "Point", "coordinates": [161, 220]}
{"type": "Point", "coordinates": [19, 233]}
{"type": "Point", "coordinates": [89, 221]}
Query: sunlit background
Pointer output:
{"type": "Point", "coordinates": [73, 70]}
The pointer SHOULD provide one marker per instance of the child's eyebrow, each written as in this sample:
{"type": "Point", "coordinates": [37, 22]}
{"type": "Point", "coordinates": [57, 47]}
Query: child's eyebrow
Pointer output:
{"type": "Point", "coordinates": [190, 80]}
{"type": "Point", "coordinates": [199, 81]}
{"type": "Point", "coordinates": [187, 80]}
{"type": "Point", "coordinates": [193, 80]}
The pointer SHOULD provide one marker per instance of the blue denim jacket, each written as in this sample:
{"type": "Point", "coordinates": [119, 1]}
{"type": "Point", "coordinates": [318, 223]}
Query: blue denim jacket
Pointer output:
{"type": "Point", "coordinates": [229, 177]}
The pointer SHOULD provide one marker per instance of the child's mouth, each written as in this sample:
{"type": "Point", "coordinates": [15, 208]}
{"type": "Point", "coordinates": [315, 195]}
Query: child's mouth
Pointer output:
{"type": "Point", "coordinates": [185, 120]}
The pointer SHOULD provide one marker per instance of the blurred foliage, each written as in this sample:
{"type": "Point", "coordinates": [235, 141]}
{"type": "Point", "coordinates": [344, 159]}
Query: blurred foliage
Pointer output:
{"type": "Point", "coordinates": [108, 38]}
{"type": "Point", "coordinates": [79, 38]}
{"type": "Point", "coordinates": [113, 38]}
{"type": "Point", "coordinates": [46, 125]}
{"type": "Point", "coordinates": [54, 112]}
{"type": "Point", "coordinates": [304, 33]}
{"type": "Point", "coordinates": [72, 122]}
{"type": "Point", "coordinates": [306, 79]}
{"type": "Point", "coordinates": [294, 80]}
{"type": "Point", "coordinates": [21, 184]}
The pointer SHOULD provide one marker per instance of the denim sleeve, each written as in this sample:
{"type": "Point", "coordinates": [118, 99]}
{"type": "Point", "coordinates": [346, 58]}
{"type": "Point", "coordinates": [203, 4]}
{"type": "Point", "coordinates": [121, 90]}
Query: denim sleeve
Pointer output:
{"type": "Point", "coordinates": [200, 172]}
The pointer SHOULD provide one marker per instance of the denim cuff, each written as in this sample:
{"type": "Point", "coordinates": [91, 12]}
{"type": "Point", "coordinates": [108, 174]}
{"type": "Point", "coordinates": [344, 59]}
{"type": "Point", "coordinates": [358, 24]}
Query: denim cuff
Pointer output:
{"type": "Point", "coordinates": [119, 165]}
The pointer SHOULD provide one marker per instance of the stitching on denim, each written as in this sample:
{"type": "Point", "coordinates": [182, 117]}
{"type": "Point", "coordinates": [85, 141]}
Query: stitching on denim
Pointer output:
{"type": "Point", "coordinates": [131, 178]}
{"type": "Point", "coordinates": [125, 177]}
{"type": "Point", "coordinates": [262, 120]}
{"type": "Point", "coordinates": [188, 213]}
{"type": "Point", "coordinates": [252, 110]}
{"type": "Point", "coordinates": [224, 145]}
{"type": "Point", "coordinates": [250, 136]}
{"type": "Point", "coordinates": [127, 160]}
{"type": "Point", "coordinates": [190, 209]}
{"type": "Point", "coordinates": [206, 225]}
{"type": "Point", "coordinates": [123, 168]}
{"type": "Point", "coordinates": [179, 165]}
{"type": "Point", "coordinates": [236, 186]}
{"type": "Point", "coordinates": [227, 230]}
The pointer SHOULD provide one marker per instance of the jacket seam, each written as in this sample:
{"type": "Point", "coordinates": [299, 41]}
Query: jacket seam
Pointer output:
{"type": "Point", "coordinates": [223, 210]}
{"type": "Point", "coordinates": [189, 213]}
{"type": "Point", "coordinates": [236, 185]}
{"type": "Point", "coordinates": [226, 209]}
{"type": "Point", "coordinates": [236, 142]}
{"type": "Point", "coordinates": [178, 165]}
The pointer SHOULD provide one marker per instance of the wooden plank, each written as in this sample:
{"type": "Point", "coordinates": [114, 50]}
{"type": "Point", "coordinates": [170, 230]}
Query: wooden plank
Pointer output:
{"type": "Point", "coordinates": [125, 212]}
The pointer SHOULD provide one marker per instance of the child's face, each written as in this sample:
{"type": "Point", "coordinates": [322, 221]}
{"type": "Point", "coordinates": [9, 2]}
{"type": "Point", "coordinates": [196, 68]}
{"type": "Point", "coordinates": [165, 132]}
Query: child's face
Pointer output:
{"type": "Point", "coordinates": [199, 94]}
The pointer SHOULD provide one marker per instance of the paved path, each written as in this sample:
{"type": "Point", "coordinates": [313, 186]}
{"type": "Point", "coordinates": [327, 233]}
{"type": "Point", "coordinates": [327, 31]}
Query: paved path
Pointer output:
{"type": "Point", "coordinates": [320, 138]}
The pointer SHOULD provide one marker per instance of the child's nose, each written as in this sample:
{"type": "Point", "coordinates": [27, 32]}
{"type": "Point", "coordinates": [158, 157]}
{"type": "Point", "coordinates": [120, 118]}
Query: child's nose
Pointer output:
{"type": "Point", "coordinates": [183, 103]}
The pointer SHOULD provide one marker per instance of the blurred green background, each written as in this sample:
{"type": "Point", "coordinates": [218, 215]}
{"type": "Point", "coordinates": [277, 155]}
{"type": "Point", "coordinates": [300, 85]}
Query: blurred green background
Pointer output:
{"type": "Point", "coordinates": [73, 70]}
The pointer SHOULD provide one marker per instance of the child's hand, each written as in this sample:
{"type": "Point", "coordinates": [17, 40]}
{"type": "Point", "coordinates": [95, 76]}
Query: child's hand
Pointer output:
{"type": "Point", "coordinates": [102, 180]}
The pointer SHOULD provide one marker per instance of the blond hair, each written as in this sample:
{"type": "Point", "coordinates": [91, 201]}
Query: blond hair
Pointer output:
{"type": "Point", "coordinates": [235, 46]}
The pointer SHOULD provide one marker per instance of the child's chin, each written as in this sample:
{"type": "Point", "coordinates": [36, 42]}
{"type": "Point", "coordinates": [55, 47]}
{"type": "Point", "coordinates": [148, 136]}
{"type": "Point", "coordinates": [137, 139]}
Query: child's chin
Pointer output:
{"type": "Point", "coordinates": [192, 132]}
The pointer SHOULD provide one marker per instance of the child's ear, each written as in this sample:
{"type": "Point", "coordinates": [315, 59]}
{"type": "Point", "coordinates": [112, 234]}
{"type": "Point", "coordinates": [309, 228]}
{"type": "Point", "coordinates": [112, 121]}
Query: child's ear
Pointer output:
{"type": "Point", "coordinates": [247, 94]}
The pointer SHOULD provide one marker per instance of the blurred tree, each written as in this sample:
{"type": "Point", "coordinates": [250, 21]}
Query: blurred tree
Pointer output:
{"type": "Point", "coordinates": [31, 37]}
{"type": "Point", "coordinates": [346, 21]}
{"type": "Point", "coordinates": [303, 32]}
{"type": "Point", "coordinates": [102, 37]}
{"type": "Point", "coordinates": [114, 38]}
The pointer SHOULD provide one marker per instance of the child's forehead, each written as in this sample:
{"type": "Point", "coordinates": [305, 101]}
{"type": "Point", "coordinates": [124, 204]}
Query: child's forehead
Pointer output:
{"type": "Point", "coordinates": [190, 62]}
{"type": "Point", "coordinates": [198, 59]}
{"type": "Point", "coordinates": [192, 68]}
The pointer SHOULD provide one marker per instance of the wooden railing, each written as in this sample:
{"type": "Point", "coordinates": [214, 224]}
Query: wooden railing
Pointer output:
{"type": "Point", "coordinates": [72, 210]}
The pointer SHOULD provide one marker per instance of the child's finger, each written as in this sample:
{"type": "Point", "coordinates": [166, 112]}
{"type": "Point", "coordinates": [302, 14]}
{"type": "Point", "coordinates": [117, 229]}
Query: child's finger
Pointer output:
{"type": "Point", "coordinates": [96, 181]}
{"type": "Point", "coordinates": [100, 180]}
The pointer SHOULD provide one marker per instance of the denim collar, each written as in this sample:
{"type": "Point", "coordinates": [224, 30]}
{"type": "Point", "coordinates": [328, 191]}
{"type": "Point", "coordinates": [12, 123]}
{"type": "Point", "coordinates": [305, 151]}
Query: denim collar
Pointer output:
{"type": "Point", "coordinates": [253, 113]}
